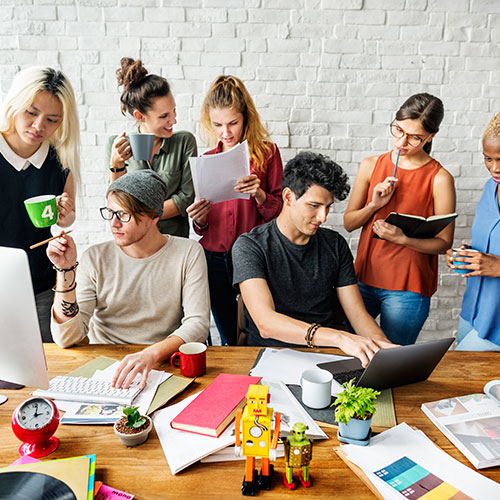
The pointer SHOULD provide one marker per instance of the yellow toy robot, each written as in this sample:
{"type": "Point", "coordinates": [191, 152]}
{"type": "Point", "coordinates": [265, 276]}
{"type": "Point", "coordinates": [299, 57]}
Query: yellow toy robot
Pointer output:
{"type": "Point", "coordinates": [255, 439]}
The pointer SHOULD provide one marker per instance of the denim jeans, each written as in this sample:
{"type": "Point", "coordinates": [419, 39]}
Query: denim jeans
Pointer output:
{"type": "Point", "coordinates": [222, 295]}
{"type": "Point", "coordinates": [44, 302]}
{"type": "Point", "coordinates": [468, 339]}
{"type": "Point", "coordinates": [402, 313]}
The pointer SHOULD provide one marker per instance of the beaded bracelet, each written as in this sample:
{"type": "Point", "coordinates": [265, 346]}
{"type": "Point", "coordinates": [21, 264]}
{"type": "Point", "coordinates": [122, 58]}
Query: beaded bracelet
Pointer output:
{"type": "Point", "coordinates": [310, 334]}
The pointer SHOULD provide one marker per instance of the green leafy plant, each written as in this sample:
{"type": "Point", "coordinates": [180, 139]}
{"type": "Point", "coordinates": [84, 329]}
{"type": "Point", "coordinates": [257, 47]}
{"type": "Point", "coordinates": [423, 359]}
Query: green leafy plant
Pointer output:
{"type": "Point", "coordinates": [134, 418]}
{"type": "Point", "coordinates": [355, 402]}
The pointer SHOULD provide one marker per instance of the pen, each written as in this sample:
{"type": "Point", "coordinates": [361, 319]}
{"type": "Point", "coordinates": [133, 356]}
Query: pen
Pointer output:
{"type": "Point", "coordinates": [396, 166]}
{"type": "Point", "coordinates": [36, 245]}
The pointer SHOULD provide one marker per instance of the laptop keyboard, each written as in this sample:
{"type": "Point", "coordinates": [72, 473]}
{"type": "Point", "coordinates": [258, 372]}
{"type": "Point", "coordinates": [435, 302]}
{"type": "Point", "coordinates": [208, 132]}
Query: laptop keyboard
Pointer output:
{"type": "Point", "coordinates": [342, 377]}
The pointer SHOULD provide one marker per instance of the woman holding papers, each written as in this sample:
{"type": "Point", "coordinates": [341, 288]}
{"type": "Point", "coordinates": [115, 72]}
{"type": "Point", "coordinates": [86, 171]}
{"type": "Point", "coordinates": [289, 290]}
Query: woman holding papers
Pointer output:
{"type": "Point", "coordinates": [229, 117]}
{"type": "Point", "coordinates": [148, 98]}
{"type": "Point", "coordinates": [479, 324]}
{"type": "Point", "coordinates": [39, 155]}
{"type": "Point", "coordinates": [397, 274]}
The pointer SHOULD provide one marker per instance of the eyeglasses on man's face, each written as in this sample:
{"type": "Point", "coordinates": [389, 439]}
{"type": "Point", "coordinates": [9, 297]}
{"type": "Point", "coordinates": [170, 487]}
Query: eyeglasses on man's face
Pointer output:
{"type": "Point", "coordinates": [121, 215]}
{"type": "Point", "coordinates": [413, 140]}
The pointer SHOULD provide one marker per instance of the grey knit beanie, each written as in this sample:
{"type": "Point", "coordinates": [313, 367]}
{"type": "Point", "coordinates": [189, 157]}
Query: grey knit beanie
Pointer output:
{"type": "Point", "coordinates": [144, 185]}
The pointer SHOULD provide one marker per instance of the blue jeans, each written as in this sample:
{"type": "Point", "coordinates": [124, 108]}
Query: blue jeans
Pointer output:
{"type": "Point", "coordinates": [402, 314]}
{"type": "Point", "coordinates": [222, 295]}
{"type": "Point", "coordinates": [468, 339]}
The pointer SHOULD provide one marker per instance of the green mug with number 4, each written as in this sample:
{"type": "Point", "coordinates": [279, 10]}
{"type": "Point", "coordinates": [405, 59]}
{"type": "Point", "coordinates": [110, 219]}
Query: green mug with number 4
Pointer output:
{"type": "Point", "coordinates": [42, 210]}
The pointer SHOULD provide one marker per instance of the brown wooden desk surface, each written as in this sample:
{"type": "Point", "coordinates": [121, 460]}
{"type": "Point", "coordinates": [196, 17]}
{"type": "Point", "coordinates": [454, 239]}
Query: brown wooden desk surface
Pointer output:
{"type": "Point", "coordinates": [144, 472]}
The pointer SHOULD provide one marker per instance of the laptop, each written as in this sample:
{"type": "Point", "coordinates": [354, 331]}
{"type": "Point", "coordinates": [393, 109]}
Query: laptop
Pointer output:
{"type": "Point", "coordinates": [391, 367]}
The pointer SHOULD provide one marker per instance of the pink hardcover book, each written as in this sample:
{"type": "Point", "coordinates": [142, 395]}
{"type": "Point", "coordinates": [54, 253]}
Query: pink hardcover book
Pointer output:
{"type": "Point", "coordinates": [215, 407]}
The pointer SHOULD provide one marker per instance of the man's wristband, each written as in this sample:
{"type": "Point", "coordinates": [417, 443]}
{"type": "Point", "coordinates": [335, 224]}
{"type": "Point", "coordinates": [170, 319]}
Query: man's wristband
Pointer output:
{"type": "Point", "coordinates": [116, 170]}
{"type": "Point", "coordinates": [310, 334]}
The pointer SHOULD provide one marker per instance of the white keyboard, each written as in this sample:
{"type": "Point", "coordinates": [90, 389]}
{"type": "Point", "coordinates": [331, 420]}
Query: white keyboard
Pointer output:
{"type": "Point", "coordinates": [89, 390]}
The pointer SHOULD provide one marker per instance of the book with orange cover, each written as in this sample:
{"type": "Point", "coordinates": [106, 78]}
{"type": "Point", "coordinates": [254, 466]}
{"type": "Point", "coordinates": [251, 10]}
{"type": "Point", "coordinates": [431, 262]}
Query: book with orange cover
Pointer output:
{"type": "Point", "coordinates": [215, 407]}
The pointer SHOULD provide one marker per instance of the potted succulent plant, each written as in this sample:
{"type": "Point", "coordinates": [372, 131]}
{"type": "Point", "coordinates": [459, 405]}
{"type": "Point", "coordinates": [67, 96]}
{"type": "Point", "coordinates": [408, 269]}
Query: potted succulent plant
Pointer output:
{"type": "Point", "coordinates": [133, 428]}
{"type": "Point", "coordinates": [354, 409]}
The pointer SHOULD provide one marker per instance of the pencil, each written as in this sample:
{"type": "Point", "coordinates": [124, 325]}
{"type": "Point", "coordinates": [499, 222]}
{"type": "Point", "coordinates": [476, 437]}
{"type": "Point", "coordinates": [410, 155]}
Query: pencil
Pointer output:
{"type": "Point", "coordinates": [39, 244]}
{"type": "Point", "coordinates": [396, 166]}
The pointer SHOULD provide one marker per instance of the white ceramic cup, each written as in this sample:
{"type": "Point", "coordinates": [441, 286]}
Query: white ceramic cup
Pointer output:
{"type": "Point", "coordinates": [316, 388]}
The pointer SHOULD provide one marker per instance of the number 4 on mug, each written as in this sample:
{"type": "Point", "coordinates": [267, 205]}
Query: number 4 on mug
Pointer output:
{"type": "Point", "coordinates": [48, 212]}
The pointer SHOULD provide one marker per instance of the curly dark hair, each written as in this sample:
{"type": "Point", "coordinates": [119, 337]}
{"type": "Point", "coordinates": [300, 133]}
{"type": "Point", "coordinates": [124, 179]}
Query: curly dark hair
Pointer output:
{"type": "Point", "coordinates": [307, 169]}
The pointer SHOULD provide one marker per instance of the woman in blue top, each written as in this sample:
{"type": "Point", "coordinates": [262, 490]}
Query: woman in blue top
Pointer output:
{"type": "Point", "coordinates": [479, 325]}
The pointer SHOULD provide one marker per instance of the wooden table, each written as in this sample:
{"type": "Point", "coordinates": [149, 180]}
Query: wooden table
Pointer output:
{"type": "Point", "coordinates": [143, 471]}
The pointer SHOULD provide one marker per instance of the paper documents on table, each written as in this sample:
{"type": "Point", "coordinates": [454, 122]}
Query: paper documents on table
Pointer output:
{"type": "Point", "coordinates": [287, 365]}
{"type": "Point", "coordinates": [402, 462]}
{"type": "Point", "coordinates": [284, 402]}
{"type": "Point", "coordinates": [227, 455]}
{"type": "Point", "coordinates": [215, 176]}
{"type": "Point", "coordinates": [182, 448]}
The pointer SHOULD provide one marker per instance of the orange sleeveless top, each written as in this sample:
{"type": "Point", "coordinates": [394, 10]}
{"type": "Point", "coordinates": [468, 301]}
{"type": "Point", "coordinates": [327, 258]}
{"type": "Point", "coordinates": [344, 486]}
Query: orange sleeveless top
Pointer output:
{"type": "Point", "coordinates": [383, 264]}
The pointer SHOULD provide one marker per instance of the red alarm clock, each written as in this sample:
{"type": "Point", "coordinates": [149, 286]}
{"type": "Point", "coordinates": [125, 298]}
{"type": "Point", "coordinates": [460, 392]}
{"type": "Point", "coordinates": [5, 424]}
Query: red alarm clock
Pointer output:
{"type": "Point", "coordinates": [34, 422]}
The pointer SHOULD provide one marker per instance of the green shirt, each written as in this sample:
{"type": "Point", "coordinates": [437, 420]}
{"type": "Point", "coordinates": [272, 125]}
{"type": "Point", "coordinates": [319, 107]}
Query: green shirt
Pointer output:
{"type": "Point", "coordinates": [172, 164]}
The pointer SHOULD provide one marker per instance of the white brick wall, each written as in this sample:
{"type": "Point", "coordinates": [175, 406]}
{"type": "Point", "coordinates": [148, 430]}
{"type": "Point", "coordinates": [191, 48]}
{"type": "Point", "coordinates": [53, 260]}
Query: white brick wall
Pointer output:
{"type": "Point", "coordinates": [326, 75]}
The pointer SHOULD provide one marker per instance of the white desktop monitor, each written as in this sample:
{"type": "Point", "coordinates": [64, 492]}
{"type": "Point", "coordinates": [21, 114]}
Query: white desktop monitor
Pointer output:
{"type": "Point", "coordinates": [22, 359]}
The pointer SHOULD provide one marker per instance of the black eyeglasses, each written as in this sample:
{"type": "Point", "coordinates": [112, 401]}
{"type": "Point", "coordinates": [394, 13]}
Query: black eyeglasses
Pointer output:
{"type": "Point", "coordinates": [413, 140]}
{"type": "Point", "coordinates": [121, 215]}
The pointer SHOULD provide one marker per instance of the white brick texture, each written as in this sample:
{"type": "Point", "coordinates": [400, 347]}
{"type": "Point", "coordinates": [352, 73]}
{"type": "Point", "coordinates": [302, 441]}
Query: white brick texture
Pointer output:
{"type": "Point", "coordinates": [326, 76]}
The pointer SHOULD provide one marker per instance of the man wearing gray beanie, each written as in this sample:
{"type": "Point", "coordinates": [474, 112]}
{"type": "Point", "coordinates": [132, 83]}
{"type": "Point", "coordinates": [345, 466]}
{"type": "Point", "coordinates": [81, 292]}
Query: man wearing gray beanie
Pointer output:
{"type": "Point", "coordinates": [142, 288]}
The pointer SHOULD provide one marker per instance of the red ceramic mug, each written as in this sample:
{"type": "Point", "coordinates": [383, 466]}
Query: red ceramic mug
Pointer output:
{"type": "Point", "coordinates": [193, 359]}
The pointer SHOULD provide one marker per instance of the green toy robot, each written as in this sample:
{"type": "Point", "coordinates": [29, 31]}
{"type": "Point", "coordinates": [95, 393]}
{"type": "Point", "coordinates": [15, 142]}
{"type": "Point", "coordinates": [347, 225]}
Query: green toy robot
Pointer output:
{"type": "Point", "coordinates": [298, 453]}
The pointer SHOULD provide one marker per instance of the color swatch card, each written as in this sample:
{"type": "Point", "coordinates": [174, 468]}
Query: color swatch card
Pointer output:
{"type": "Point", "coordinates": [416, 468]}
{"type": "Point", "coordinates": [415, 482]}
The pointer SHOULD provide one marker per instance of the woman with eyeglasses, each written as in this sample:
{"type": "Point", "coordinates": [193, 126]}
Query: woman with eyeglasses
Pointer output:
{"type": "Point", "coordinates": [39, 155]}
{"type": "Point", "coordinates": [229, 117]}
{"type": "Point", "coordinates": [397, 274]}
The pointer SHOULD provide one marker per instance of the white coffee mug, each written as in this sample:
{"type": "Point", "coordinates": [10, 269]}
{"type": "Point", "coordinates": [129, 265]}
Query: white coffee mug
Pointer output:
{"type": "Point", "coordinates": [316, 388]}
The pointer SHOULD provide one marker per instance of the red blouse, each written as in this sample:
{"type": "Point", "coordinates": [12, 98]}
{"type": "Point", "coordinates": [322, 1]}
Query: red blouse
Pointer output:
{"type": "Point", "coordinates": [228, 219]}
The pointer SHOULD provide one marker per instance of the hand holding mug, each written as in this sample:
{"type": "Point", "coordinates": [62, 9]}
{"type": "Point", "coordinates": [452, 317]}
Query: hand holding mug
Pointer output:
{"type": "Point", "coordinates": [121, 151]}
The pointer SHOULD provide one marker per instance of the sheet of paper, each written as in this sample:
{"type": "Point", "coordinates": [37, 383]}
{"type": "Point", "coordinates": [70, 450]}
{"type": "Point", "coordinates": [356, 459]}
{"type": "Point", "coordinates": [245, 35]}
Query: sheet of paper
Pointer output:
{"type": "Point", "coordinates": [287, 365]}
{"type": "Point", "coordinates": [284, 402]}
{"type": "Point", "coordinates": [215, 176]}
{"type": "Point", "coordinates": [227, 455]}
{"type": "Point", "coordinates": [182, 448]}
{"type": "Point", "coordinates": [402, 441]}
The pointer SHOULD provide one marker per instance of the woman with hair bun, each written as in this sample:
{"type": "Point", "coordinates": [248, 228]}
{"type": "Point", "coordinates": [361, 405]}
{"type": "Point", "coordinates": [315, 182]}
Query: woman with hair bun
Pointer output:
{"type": "Point", "coordinates": [39, 155]}
{"type": "Point", "coordinates": [149, 100]}
{"type": "Point", "coordinates": [397, 274]}
{"type": "Point", "coordinates": [229, 117]}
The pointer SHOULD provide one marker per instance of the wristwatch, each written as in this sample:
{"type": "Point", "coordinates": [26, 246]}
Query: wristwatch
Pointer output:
{"type": "Point", "coordinates": [121, 169]}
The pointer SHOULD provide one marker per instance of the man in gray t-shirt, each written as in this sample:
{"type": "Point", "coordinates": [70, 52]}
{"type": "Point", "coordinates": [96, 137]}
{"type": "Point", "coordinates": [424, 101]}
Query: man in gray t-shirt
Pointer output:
{"type": "Point", "coordinates": [297, 280]}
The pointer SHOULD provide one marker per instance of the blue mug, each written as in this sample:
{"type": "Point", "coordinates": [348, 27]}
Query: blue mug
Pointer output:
{"type": "Point", "coordinates": [457, 263]}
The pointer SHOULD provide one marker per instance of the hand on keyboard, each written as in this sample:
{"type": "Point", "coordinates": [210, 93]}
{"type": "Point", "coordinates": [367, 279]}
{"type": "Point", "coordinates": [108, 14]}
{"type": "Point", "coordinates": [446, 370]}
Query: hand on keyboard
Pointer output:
{"type": "Point", "coordinates": [89, 390]}
{"type": "Point", "coordinates": [140, 362]}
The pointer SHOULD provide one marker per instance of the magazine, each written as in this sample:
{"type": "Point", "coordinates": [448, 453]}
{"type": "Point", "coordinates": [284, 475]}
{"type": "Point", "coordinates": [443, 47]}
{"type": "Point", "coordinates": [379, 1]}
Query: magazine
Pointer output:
{"type": "Point", "coordinates": [471, 423]}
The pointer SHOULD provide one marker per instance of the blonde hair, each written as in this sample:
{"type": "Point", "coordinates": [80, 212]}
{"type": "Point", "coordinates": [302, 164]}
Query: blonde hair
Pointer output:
{"type": "Point", "coordinates": [492, 130]}
{"type": "Point", "coordinates": [66, 139]}
{"type": "Point", "coordinates": [230, 92]}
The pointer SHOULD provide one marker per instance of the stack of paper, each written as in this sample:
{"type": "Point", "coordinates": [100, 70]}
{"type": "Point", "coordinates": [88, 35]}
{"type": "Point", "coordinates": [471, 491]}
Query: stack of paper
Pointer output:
{"type": "Point", "coordinates": [405, 463]}
{"type": "Point", "coordinates": [287, 365]}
